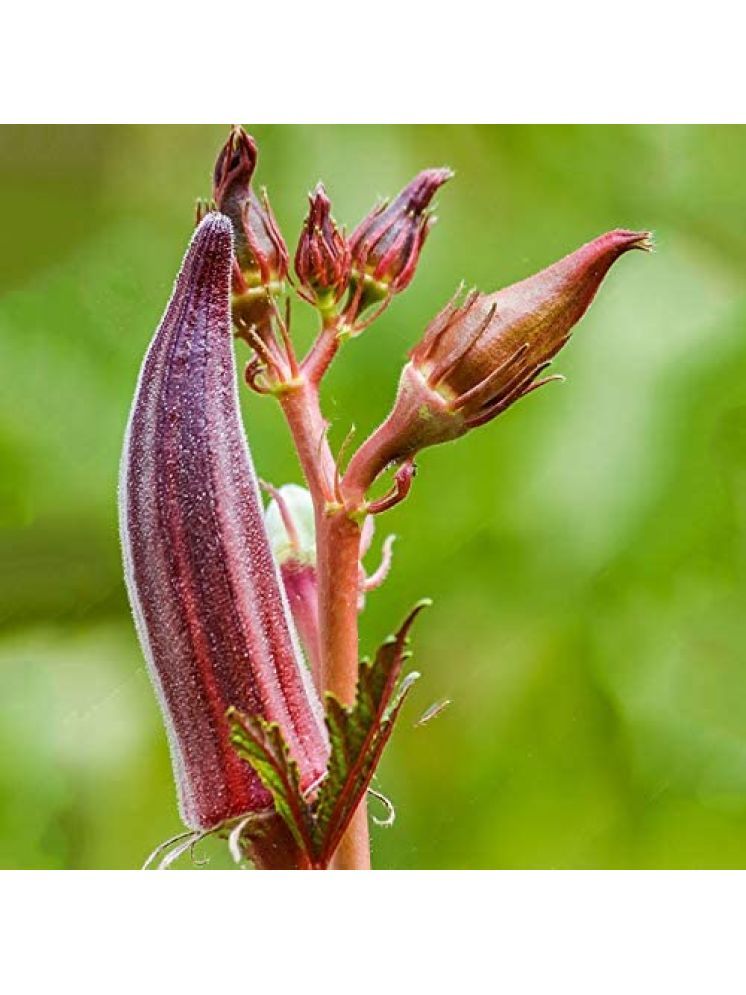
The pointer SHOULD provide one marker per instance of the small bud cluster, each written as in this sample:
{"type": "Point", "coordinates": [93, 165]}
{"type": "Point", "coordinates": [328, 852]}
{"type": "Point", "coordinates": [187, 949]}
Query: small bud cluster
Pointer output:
{"type": "Point", "coordinates": [342, 277]}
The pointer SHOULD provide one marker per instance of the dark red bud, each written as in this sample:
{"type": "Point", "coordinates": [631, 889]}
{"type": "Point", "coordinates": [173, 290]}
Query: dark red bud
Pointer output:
{"type": "Point", "coordinates": [233, 172]}
{"type": "Point", "coordinates": [322, 260]}
{"type": "Point", "coordinates": [478, 358]}
{"type": "Point", "coordinates": [386, 245]}
{"type": "Point", "coordinates": [260, 248]}
{"type": "Point", "coordinates": [265, 241]}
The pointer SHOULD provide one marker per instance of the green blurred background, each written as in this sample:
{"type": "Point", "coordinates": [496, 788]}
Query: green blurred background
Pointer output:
{"type": "Point", "coordinates": [586, 552]}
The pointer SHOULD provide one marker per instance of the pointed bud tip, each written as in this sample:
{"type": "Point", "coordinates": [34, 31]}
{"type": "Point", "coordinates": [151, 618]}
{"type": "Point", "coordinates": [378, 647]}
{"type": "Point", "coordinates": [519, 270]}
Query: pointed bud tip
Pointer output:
{"type": "Point", "coordinates": [446, 173]}
{"type": "Point", "coordinates": [319, 203]}
{"type": "Point", "coordinates": [424, 186]}
{"type": "Point", "coordinates": [241, 142]}
{"type": "Point", "coordinates": [645, 241]}
{"type": "Point", "coordinates": [236, 162]}
{"type": "Point", "coordinates": [438, 175]}
{"type": "Point", "coordinates": [623, 239]}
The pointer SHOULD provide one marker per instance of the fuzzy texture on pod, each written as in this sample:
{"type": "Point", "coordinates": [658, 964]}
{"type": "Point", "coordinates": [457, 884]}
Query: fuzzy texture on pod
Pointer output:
{"type": "Point", "coordinates": [210, 613]}
{"type": "Point", "coordinates": [479, 357]}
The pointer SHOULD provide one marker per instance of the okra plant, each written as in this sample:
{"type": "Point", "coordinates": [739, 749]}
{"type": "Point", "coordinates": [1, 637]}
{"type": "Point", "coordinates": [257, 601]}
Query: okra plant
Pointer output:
{"type": "Point", "coordinates": [248, 617]}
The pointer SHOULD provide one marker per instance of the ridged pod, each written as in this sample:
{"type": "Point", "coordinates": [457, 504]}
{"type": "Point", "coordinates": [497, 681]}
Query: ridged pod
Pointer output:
{"type": "Point", "coordinates": [204, 588]}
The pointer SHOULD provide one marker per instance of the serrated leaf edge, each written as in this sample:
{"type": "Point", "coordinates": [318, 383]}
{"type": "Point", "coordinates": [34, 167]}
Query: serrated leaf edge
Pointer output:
{"type": "Point", "coordinates": [301, 825]}
{"type": "Point", "coordinates": [380, 730]}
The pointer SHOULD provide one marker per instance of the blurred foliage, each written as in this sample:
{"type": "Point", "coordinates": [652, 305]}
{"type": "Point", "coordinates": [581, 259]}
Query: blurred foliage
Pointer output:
{"type": "Point", "coordinates": [586, 552]}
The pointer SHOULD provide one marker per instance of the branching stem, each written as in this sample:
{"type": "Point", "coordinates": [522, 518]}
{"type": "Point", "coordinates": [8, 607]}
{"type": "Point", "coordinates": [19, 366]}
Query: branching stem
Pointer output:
{"type": "Point", "coordinates": [338, 534]}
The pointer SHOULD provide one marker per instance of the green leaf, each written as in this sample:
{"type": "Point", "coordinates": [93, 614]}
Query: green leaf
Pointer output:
{"type": "Point", "coordinates": [359, 733]}
{"type": "Point", "coordinates": [262, 744]}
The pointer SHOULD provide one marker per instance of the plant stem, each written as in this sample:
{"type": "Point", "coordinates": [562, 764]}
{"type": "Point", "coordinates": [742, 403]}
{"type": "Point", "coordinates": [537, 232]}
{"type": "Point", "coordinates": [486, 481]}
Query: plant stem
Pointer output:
{"type": "Point", "coordinates": [337, 556]}
{"type": "Point", "coordinates": [323, 350]}
{"type": "Point", "coordinates": [300, 404]}
{"type": "Point", "coordinates": [338, 566]}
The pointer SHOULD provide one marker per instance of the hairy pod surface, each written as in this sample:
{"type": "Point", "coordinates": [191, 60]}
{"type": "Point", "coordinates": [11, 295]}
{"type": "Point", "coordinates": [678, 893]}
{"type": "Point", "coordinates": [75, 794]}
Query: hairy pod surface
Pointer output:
{"type": "Point", "coordinates": [204, 588]}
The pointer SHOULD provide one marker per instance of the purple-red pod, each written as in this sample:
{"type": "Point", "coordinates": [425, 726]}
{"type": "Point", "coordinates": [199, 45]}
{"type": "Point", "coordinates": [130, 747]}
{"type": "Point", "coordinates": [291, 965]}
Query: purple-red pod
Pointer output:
{"type": "Point", "coordinates": [205, 592]}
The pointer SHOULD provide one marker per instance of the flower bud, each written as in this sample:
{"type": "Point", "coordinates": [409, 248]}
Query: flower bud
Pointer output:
{"type": "Point", "coordinates": [478, 358]}
{"type": "Point", "coordinates": [204, 588]}
{"type": "Point", "coordinates": [290, 524]}
{"type": "Point", "coordinates": [260, 248]}
{"type": "Point", "coordinates": [322, 260]}
{"type": "Point", "coordinates": [291, 529]}
{"type": "Point", "coordinates": [386, 245]}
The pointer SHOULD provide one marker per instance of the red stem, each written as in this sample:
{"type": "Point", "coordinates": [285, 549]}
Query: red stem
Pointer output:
{"type": "Point", "coordinates": [338, 556]}
{"type": "Point", "coordinates": [323, 351]}
{"type": "Point", "coordinates": [300, 403]}
{"type": "Point", "coordinates": [338, 565]}
{"type": "Point", "coordinates": [338, 576]}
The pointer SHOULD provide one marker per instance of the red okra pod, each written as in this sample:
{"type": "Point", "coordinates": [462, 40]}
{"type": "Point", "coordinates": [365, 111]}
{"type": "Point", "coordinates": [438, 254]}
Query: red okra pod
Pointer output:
{"type": "Point", "coordinates": [210, 613]}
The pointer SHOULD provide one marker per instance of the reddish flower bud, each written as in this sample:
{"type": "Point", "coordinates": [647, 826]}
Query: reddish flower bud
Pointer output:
{"type": "Point", "coordinates": [322, 260]}
{"type": "Point", "coordinates": [478, 358]}
{"type": "Point", "coordinates": [232, 175]}
{"type": "Point", "coordinates": [204, 588]}
{"type": "Point", "coordinates": [260, 248]}
{"type": "Point", "coordinates": [386, 245]}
